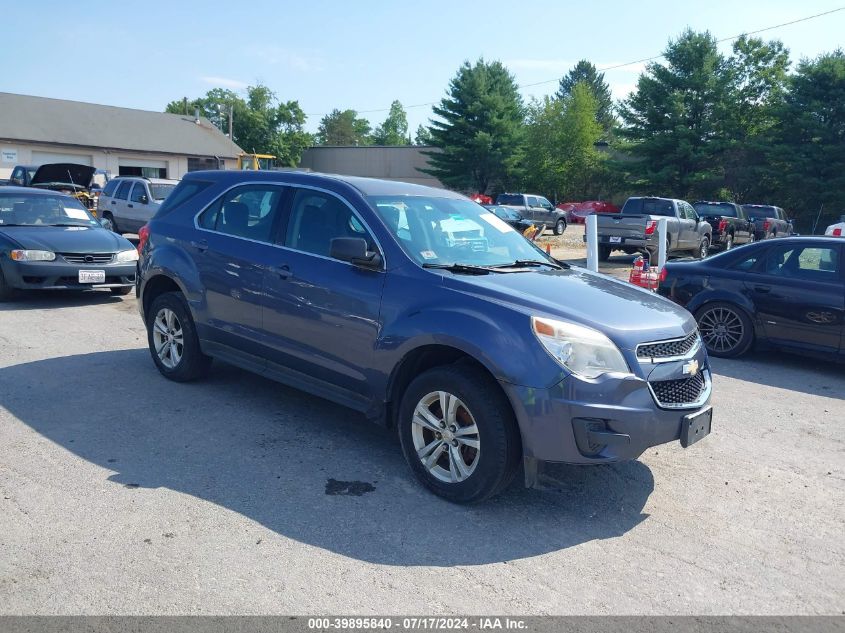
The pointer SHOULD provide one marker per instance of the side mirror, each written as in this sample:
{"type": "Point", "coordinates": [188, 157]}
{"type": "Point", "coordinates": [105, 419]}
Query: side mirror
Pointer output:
{"type": "Point", "coordinates": [354, 250]}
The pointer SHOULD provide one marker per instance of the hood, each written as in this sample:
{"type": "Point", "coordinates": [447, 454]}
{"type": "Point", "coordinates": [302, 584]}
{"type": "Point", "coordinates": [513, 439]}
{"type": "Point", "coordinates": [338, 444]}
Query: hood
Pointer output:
{"type": "Point", "coordinates": [67, 239]}
{"type": "Point", "coordinates": [68, 173]}
{"type": "Point", "coordinates": [628, 315]}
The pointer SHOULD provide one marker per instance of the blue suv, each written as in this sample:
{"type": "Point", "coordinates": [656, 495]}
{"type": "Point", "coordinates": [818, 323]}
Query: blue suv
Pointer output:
{"type": "Point", "coordinates": [427, 313]}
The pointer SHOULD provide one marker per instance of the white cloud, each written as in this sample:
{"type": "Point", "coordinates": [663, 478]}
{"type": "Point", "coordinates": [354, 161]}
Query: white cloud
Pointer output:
{"type": "Point", "coordinates": [224, 82]}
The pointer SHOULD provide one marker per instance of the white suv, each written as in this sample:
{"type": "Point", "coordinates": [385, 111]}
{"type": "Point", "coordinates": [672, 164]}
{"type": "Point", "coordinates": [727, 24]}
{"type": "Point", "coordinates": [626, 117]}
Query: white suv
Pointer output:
{"type": "Point", "coordinates": [129, 202]}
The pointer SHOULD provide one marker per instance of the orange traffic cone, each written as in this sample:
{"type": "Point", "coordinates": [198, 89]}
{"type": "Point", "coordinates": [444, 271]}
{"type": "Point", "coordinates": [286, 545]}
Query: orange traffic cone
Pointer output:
{"type": "Point", "coordinates": [548, 249]}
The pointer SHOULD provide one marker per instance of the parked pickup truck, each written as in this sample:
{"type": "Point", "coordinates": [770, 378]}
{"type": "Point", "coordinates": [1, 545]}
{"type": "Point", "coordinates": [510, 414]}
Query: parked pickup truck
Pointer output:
{"type": "Point", "coordinates": [730, 223]}
{"type": "Point", "coordinates": [635, 228]}
{"type": "Point", "coordinates": [769, 221]}
{"type": "Point", "coordinates": [535, 208]}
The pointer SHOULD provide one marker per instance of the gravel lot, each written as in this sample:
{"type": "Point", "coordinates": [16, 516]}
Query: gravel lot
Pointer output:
{"type": "Point", "coordinates": [123, 493]}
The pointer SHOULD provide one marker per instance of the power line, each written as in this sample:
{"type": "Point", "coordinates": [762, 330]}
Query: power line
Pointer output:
{"type": "Point", "coordinates": [632, 63]}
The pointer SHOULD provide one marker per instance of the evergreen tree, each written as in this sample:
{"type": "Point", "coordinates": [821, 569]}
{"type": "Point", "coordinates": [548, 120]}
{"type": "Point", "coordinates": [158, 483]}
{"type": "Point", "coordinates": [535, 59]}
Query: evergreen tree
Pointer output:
{"type": "Point", "coordinates": [585, 72]}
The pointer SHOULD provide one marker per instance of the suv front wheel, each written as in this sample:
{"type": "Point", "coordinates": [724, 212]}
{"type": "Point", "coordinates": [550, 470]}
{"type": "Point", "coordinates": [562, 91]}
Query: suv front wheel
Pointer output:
{"type": "Point", "coordinates": [458, 433]}
{"type": "Point", "coordinates": [172, 339]}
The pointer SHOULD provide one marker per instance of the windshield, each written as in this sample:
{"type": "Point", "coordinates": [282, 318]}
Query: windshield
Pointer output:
{"type": "Point", "coordinates": [648, 206]}
{"type": "Point", "coordinates": [514, 199]}
{"type": "Point", "coordinates": [160, 192]}
{"type": "Point", "coordinates": [30, 210]}
{"type": "Point", "coordinates": [760, 212]}
{"type": "Point", "coordinates": [505, 213]}
{"type": "Point", "coordinates": [446, 231]}
{"type": "Point", "coordinates": [708, 209]}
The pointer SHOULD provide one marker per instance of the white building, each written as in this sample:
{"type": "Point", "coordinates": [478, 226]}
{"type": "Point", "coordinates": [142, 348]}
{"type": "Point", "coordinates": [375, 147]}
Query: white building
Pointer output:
{"type": "Point", "coordinates": [37, 130]}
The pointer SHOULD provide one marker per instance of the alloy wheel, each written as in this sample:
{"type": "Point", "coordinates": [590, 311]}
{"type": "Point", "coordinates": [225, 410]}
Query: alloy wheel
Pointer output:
{"type": "Point", "coordinates": [721, 328]}
{"type": "Point", "coordinates": [168, 338]}
{"type": "Point", "coordinates": [445, 437]}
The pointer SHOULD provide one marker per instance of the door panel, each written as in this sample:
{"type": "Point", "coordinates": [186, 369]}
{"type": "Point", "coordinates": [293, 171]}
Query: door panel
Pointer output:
{"type": "Point", "coordinates": [321, 315]}
{"type": "Point", "coordinates": [799, 295]}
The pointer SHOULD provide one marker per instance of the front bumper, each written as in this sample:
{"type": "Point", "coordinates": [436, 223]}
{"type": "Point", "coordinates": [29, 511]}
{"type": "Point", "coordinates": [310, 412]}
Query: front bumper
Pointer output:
{"type": "Point", "coordinates": [609, 419]}
{"type": "Point", "coordinates": [58, 275]}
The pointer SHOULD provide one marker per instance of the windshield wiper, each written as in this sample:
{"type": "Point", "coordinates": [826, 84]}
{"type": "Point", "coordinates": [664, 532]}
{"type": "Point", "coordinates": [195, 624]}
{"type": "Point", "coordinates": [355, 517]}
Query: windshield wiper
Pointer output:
{"type": "Point", "coordinates": [468, 269]}
{"type": "Point", "coordinates": [68, 224]}
{"type": "Point", "coordinates": [527, 263]}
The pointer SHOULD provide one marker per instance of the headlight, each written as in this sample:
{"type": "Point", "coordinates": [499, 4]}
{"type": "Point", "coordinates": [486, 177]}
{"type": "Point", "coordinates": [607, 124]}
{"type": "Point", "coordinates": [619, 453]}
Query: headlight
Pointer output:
{"type": "Point", "coordinates": [582, 350]}
{"type": "Point", "coordinates": [33, 256]}
{"type": "Point", "coordinates": [124, 257]}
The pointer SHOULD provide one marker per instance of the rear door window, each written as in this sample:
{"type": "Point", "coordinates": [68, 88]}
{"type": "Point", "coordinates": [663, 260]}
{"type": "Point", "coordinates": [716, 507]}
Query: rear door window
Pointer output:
{"type": "Point", "coordinates": [249, 211]}
{"type": "Point", "coordinates": [122, 192]}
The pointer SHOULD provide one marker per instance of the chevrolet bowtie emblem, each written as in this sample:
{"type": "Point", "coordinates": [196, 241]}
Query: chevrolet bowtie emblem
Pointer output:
{"type": "Point", "coordinates": [690, 368]}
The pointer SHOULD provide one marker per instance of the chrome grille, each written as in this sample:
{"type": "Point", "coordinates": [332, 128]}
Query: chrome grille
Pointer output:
{"type": "Point", "coordinates": [677, 394]}
{"type": "Point", "coordinates": [668, 349]}
{"type": "Point", "coordinates": [88, 258]}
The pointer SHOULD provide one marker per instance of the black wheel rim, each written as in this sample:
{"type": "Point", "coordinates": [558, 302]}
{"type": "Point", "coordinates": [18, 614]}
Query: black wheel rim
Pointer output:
{"type": "Point", "coordinates": [722, 329]}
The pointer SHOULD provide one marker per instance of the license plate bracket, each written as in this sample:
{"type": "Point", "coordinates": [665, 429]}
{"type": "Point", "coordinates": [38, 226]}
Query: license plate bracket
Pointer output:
{"type": "Point", "coordinates": [696, 426]}
{"type": "Point", "coordinates": [92, 276]}
{"type": "Point", "coordinates": [615, 239]}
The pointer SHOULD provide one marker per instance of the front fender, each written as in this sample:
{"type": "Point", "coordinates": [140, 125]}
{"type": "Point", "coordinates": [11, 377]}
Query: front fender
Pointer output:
{"type": "Point", "coordinates": [496, 336]}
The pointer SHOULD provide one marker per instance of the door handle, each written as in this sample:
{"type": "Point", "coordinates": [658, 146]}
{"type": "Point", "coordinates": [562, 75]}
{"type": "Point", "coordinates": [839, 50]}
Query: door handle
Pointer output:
{"type": "Point", "coordinates": [113, 202]}
{"type": "Point", "coordinates": [131, 206]}
{"type": "Point", "coordinates": [282, 271]}
{"type": "Point", "coordinates": [763, 289]}
{"type": "Point", "coordinates": [200, 245]}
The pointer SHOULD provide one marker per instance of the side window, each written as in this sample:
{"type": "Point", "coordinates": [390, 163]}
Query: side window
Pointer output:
{"type": "Point", "coordinates": [545, 203]}
{"type": "Point", "coordinates": [689, 212]}
{"type": "Point", "coordinates": [316, 218]}
{"type": "Point", "coordinates": [17, 176]}
{"type": "Point", "coordinates": [111, 185]}
{"type": "Point", "coordinates": [138, 191]}
{"type": "Point", "coordinates": [811, 263]}
{"type": "Point", "coordinates": [531, 201]}
{"type": "Point", "coordinates": [249, 211]}
{"type": "Point", "coordinates": [746, 263]}
{"type": "Point", "coordinates": [123, 190]}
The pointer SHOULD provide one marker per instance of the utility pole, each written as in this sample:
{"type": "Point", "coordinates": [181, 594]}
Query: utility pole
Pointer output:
{"type": "Point", "coordinates": [185, 103]}
{"type": "Point", "coordinates": [231, 114]}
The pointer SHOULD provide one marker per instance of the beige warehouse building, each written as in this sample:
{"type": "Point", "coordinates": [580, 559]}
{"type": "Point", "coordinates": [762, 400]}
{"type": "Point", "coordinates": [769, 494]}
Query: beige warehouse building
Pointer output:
{"type": "Point", "coordinates": [126, 142]}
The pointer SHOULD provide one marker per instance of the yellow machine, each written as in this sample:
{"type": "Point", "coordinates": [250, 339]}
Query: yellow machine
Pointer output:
{"type": "Point", "coordinates": [255, 162]}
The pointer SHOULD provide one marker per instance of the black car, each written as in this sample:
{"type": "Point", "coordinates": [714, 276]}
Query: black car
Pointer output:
{"type": "Point", "coordinates": [49, 241]}
{"type": "Point", "coordinates": [510, 216]}
{"type": "Point", "coordinates": [731, 226]}
{"type": "Point", "coordinates": [788, 293]}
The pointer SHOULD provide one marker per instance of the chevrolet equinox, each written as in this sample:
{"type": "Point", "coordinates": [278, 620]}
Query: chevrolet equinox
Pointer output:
{"type": "Point", "coordinates": [425, 312]}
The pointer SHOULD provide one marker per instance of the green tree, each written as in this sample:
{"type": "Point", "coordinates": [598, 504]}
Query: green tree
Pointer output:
{"type": "Point", "coordinates": [423, 136]}
{"type": "Point", "coordinates": [260, 123]}
{"type": "Point", "coordinates": [584, 71]}
{"type": "Point", "coordinates": [674, 117]}
{"type": "Point", "coordinates": [479, 129]}
{"type": "Point", "coordinates": [808, 142]}
{"type": "Point", "coordinates": [394, 130]}
{"type": "Point", "coordinates": [757, 74]}
{"type": "Point", "coordinates": [343, 128]}
{"type": "Point", "coordinates": [562, 159]}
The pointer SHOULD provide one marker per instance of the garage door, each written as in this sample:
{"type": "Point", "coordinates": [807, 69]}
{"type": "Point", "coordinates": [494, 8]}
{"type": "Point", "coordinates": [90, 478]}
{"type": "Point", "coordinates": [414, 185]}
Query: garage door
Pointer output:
{"type": "Point", "coordinates": [43, 158]}
{"type": "Point", "coordinates": [142, 167]}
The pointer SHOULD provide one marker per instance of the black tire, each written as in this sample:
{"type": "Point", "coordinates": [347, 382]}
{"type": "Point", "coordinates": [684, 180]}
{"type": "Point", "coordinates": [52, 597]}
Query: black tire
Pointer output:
{"type": "Point", "coordinates": [192, 363]}
{"type": "Point", "coordinates": [729, 342]}
{"type": "Point", "coordinates": [703, 249]}
{"type": "Point", "coordinates": [108, 216]}
{"type": "Point", "coordinates": [120, 292]}
{"type": "Point", "coordinates": [560, 226]}
{"type": "Point", "coordinates": [499, 450]}
{"type": "Point", "coordinates": [6, 291]}
{"type": "Point", "coordinates": [604, 253]}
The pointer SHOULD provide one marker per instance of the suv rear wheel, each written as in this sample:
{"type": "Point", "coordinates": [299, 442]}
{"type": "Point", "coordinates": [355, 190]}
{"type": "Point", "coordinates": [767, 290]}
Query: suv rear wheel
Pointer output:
{"type": "Point", "coordinates": [459, 434]}
{"type": "Point", "coordinates": [172, 339]}
{"type": "Point", "coordinates": [108, 222]}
